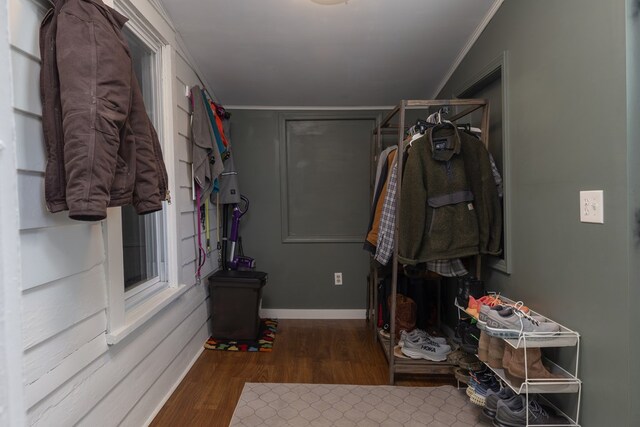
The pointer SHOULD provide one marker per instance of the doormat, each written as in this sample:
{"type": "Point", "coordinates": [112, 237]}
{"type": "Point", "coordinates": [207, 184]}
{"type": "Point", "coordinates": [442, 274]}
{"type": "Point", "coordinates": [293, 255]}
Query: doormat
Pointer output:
{"type": "Point", "coordinates": [264, 343]}
{"type": "Point", "coordinates": [299, 405]}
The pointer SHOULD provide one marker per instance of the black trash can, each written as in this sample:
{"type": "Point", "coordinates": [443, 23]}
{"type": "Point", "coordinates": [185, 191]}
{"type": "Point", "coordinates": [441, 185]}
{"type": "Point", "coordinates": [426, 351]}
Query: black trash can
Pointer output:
{"type": "Point", "coordinates": [234, 298]}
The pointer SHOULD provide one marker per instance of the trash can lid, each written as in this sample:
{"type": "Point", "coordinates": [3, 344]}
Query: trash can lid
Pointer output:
{"type": "Point", "coordinates": [238, 276]}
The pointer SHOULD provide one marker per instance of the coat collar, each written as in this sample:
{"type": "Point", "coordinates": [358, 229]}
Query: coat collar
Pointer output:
{"type": "Point", "coordinates": [444, 141]}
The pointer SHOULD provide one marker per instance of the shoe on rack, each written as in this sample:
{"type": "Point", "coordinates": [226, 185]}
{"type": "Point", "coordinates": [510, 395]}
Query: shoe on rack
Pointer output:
{"type": "Point", "coordinates": [491, 402]}
{"type": "Point", "coordinates": [456, 356]}
{"type": "Point", "coordinates": [475, 305]}
{"type": "Point", "coordinates": [483, 347]}
{"type": "Point", "coordinates": [470, 363]}
{"type": "Point", "coordinates": [483, 314]}
{"type": "Point", "coordinates": [496, 352]}
{"type": "Point", "coordinates": [384, 333]}
{"type": "Point", "coordinates": [464, 360]}
{"type": "Point", "coordinates": [418, 334]}
{"type": "Point", "coordinates": [428, 351]}
{"type": "Point", "coordinates": [511, 323]}
{"type": "Point", "coordinates": [470, 339]}
{"type": "Point", "coordinates": [397, 352]}
{"type": "Point", "coordinates": [417, 340]}
{"type": "Point", "coordinates": [534, 368]}
{"type": "Point", "coordinates": [462, 375]}
{"type": "Point", "coordinates": [480, 384]}
{"type": "Point", "coordinates": [468, 286]}
{"type": "Point", "coordinates": [506, 357]}
{"type": "Point", "coordinates": [514, 414]}
{"type": "Point", "coordinates": [484, 310]}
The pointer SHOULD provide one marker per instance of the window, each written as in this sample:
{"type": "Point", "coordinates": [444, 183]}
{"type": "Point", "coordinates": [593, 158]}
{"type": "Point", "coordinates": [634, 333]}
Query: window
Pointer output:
{"type": "Point", "coordinates": [142, 242]}
{"type": "Point", "coordinates": [141, 250]}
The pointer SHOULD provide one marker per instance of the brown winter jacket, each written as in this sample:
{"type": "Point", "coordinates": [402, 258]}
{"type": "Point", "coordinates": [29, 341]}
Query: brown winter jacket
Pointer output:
{"type": "Point", "coordinates": [102, 149]}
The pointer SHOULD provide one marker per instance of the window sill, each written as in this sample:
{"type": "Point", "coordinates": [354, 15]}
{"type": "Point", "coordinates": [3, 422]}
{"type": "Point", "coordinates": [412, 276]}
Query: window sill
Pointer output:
{"type": "Point", "coordinates": [139, 315]}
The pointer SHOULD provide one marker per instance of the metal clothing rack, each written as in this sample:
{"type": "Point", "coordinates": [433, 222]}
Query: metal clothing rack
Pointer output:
{"type": "Point", "coordinates": [395, 120]}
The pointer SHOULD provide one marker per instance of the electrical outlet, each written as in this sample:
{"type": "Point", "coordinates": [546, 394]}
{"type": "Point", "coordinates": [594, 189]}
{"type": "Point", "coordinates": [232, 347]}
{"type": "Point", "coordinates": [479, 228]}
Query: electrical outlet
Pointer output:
{"type": "Point", "coordinates": [592, 206]}
{"type": "Point", "coordinates": [337, 279]}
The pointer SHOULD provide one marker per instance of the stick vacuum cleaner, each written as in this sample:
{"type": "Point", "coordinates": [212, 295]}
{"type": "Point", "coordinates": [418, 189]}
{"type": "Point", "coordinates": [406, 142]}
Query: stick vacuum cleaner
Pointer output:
{"type": "Point", "coordinates": [239, 261]}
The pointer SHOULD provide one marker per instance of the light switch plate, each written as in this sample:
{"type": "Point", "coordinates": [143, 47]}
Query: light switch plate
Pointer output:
{"type": "Point", "coordinates": [592, 206]}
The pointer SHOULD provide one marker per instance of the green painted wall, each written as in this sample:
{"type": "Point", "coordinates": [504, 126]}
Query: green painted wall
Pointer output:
{"type": "Point", "coordinates": [300, 274]}
{"type": "Point", "coordinates": [568, 132]}
{"type": "Point", "coordinates": [633, 165]}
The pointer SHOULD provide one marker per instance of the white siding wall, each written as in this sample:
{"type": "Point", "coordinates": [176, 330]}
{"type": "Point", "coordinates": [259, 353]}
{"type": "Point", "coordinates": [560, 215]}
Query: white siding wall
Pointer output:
{"type": "Point", "coordinates": [187, 214]}
{"type": "Point", "coordinates": [11, 398]}
{"type": "Point", "coordinates": [70, 373]}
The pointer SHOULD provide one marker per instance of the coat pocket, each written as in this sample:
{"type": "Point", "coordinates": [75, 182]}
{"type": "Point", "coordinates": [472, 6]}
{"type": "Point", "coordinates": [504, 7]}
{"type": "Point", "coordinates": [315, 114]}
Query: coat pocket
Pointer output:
{"type": "Point", "coordinates": [125, 174]}
{"type": "Point", "coordinates": [109, 118]}
{"type": "Point", "coordinates": [452, 222]}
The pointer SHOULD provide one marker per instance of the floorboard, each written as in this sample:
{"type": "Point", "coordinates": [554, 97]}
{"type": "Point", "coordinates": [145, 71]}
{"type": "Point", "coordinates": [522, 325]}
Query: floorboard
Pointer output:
{"type": "Point", "coordinates": [305, 351]}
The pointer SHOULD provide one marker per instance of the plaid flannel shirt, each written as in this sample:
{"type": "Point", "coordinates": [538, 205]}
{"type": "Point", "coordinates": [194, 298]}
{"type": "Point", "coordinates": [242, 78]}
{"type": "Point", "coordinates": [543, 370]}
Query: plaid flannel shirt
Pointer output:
{"type": "Point", "coordinates": [386, 232]}
{"type": "Point", "coordinates": [447, 267]}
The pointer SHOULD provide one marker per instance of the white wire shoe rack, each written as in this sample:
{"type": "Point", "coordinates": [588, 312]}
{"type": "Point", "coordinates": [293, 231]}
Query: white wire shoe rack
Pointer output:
{"type": "Point", "coordinates": [566, 382]}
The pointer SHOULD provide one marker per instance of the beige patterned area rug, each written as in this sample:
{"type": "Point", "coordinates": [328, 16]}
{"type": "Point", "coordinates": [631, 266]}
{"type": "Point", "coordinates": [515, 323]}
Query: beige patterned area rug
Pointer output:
{"type": "Point", "coordinates": [320, 405]}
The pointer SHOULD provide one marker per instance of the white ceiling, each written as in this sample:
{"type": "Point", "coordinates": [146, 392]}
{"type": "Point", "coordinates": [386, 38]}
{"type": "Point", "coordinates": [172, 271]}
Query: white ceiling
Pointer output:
{"type": "Point", "coordinates": [300, 53]}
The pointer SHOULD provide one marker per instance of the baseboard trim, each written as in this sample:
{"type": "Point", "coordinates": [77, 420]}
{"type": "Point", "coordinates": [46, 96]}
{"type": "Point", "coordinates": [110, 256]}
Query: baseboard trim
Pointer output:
{"type": "Point", "coordinates": [285, 313]}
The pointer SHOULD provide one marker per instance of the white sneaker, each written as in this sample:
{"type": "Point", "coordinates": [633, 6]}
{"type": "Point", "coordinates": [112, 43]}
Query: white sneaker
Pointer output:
{"type": "Point", "coordinates": [421, 337]}
{"type": "Point", "coordinates": [426, 351]}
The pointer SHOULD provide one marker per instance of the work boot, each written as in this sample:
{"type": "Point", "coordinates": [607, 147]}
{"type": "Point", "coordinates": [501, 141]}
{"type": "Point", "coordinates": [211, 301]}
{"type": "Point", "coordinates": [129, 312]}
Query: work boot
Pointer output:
{"type": "Point", "coordinates": [483, 347]}
{"type": "Point", "coordinates": [534, 367]}
{"type": "Point", "coordinates": [506, 358]}
{"type": "Point", "coordinates": [496, 352]}
{"type": "Point", "coordinates": [405, 314]}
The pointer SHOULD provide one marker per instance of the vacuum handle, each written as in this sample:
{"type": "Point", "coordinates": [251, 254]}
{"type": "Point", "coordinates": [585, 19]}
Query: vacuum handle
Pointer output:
{"type": "Point", "coordinates": [246, 205]}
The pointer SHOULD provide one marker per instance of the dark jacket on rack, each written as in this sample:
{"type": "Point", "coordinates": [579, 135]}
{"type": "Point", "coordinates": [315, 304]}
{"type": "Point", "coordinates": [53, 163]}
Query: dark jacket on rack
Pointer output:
{"type": "Point", "coordinates": [102, 149]}
{"type": "Point", "coordinates": [449, 206]}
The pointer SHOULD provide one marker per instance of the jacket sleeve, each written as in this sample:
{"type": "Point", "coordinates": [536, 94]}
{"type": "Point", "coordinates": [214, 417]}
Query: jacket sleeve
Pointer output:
{"type": "Point", "coordinates": [95, 105]}
{"type": "Point", "coordinates": [146, 191]}
{"type": "Point", "coordinates": [413, 205]}
{"type": "Point", "coordinates": [490, 211]}
{"type": "Point", "coordinates": [491, 241]}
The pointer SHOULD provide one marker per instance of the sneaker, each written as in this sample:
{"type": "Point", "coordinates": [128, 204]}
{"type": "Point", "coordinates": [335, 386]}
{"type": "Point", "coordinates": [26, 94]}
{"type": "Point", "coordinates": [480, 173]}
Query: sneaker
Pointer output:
{"type": "Point", "coordinates": [484, 314]}
{"type": "Point", "coordinates": [491, 402]}
{"type": "Point", "coordinates": [475, 305]}
{"type": "Point", "coordinates": [464, 360]}
{"type": "Point", "coordinates": [418, 335]}
{"type": "Point", "coordinates": [462, 375]}
{"type": "Point", "coordinates": [511, 323]}
{"type": "Point", "coordinates": [428, 351]}
{"type": "Point", "coordinates": [456, 356]}
{"type": "Point", "coordinates": [513, 414]}
{"type": "Point", "coordinates": [484, 311]}
{"type": "Point", "coordinates": [481, 385]}
{"type": "Point", "coordinates": [470, 339]}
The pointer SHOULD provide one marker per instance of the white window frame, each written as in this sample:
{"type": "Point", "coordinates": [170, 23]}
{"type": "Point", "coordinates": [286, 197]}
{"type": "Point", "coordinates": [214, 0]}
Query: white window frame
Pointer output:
{"type": "Point", "coordinates": [128, 310]}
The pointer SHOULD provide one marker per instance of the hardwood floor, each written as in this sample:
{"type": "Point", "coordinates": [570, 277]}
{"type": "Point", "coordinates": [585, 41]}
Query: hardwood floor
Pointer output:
{"type": "Point", "coordinates": [305, 351]}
